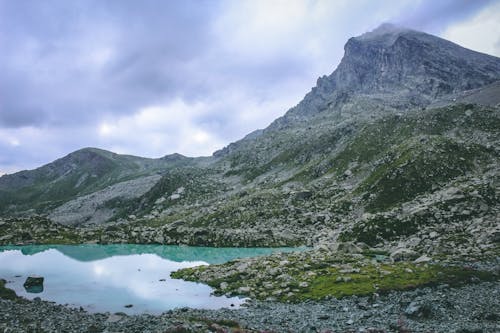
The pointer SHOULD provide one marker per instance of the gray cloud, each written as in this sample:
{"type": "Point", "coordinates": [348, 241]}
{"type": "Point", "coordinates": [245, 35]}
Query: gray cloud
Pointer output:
{"type": "Point", "coordinates": [90, 73]}
{"type": "Point", "coordinates": [434, 16]}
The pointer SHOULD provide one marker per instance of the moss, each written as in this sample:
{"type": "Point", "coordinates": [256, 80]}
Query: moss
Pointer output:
{"type": "Point", "coordinates": [389, 277]}
{"type": "Point", "coordinates": [328, 278]}
{"type": "Point", "coordinates": [6, 293]}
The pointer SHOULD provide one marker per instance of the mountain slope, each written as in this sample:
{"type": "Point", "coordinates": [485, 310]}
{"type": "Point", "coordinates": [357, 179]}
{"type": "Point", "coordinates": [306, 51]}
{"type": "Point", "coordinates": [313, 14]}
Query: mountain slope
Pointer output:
{"type": "Point", "coordinates": [79, 173]}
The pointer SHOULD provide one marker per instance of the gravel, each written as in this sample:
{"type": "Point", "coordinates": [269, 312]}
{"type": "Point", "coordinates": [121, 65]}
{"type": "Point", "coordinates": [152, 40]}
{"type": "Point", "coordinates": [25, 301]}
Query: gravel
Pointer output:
{"type": "Point", "coordinates": [472, 308]}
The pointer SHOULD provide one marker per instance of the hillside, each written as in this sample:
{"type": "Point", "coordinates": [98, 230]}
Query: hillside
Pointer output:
{"type": "Point", "coordinates": [83, 172]}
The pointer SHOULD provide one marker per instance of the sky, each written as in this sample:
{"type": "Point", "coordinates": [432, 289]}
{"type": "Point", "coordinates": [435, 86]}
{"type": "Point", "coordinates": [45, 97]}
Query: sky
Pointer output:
{"type": "Point", "coordinates": [153, 77]}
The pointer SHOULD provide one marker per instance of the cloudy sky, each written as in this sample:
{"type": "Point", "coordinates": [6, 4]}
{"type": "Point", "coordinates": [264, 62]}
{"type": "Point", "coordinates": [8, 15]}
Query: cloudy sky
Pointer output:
{"type": "Point", "coordinates": [152, 78]}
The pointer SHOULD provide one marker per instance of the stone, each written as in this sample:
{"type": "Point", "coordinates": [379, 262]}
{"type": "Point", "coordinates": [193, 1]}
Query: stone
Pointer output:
{"type": "Point", "coordinates": [33, 284]}
{"type": "Point", "coordinates": [403, 254]}
{"type": "Point", "coordinates": [160, 201]}
{"type": "Point", "coordinates": [422, 259]}
{"type": "Point", "coordinates": [113, 318]}
{"type": "Point", "coordinates": [175, 196]}
{"type": "Point", "coordinates": [284, 262]}
{"type": "Point", "coordinates": [244, 290]}
{"type": "Point", "coordinates": [417, 309]}
{"type": "Point", "coordinates": [159, 239]}
{"type": "Point", "coordinates": [303, 195]}
{"type": "Point", "coordinates": [348, 247]}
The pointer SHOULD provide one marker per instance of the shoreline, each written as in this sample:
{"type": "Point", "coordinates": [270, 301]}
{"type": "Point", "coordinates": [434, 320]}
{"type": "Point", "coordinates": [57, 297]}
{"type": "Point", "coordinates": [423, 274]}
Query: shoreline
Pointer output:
{"type": "Point", "coordinates": [471, 308]}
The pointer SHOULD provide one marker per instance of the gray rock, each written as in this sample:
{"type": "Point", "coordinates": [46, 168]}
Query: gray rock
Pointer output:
{"type": "Point", "coordinates": [34, 284]}
{"type": "Point", "coordinates": [402, 254]}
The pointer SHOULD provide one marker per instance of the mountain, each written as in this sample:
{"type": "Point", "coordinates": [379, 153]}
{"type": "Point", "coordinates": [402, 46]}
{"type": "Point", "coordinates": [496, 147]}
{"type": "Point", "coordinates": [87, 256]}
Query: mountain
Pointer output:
{"type": "Point", "coordinates": [80, 173]}
{"type": "Point", "coordinates": [403, 68]}
{"type": "Point", "coordinates": [400, 142]}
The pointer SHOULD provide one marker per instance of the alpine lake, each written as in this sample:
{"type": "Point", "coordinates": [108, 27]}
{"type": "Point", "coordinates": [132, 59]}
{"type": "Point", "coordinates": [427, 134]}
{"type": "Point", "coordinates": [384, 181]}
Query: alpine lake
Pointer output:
{"type": "Point", "coordinates": [119, 278]}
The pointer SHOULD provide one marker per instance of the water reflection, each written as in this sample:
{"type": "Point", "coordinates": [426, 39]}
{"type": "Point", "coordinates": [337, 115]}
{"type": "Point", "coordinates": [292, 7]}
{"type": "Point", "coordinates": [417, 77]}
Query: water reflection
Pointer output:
{"type": "Point", "coordinates": [91, 252]}
{"type": "Point", "coordinates": [107, 284]}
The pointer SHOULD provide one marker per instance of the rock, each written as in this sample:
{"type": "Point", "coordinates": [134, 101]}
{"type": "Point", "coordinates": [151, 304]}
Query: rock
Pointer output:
{"type": "Point", "coordinates": [244, 290]}
{"type": "Point", "coordinates": [348, 247]}
{"type": "Point", "coordinates": [422, 259]}
{"type": "Point", "coordinates": [303, 284]}
{"type": "Point", "coordinates": [433, 234]}
{"type": "Point", "coordinates": [160, 201]}
{"type": "Point", "coordinates": [175, 196]}
{"type": "Point", "coordinates": [303, 195]}
{"type": "Point", "coordinates": [113, 318]}
{"type": "Point", "coordinates": [33, 284]}
{"type": "Point", "coordinates": [223, 285]}
{"type": "Point", "coordinates": [159, 239]}
{"type": "Point", "coordinates": [128, 306]}
{"type": "Point", "coordinates": [242, 267]}
{"type": "Point", "coordinates": [284, 262]}
{"type": "Point", "coordinates": [403, 254]}
{"type": "Point", "coordinates": [418, 309]}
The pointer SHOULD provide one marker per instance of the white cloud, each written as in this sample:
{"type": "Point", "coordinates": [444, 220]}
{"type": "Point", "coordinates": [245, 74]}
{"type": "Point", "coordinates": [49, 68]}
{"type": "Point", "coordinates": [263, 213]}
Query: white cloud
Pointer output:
{"type": "Point", "coordinates": [158, 129]}
{"type": "Point", "coordinates": [261, 31]}
{"type": "Point", "coordinates": [480, 33]}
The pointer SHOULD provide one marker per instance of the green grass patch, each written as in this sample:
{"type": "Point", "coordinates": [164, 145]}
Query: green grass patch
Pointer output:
{"type": "Point", "coordinates": [389, 277]}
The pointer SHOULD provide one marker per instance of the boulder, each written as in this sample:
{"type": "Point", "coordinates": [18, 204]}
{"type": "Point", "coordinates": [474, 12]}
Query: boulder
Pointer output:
{"type": "Point", "coordinates": [33, 284]}
{"type": "Point", "coordinates": [303, 195]}
{"type": "Point", "coordinates": [422, 259]}
{"type": "Point", "coordinates": [419, 309]}
{"type": "Point", "coordinates": [403, 254]}
{"type": "Point", "coordinates": [348, 247]}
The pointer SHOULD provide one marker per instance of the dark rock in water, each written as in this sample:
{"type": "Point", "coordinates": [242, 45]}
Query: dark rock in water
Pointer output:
{"type": "Point", "coordinates": [129, 305]}
{"type": "Point", "coordinates": [33, 284]}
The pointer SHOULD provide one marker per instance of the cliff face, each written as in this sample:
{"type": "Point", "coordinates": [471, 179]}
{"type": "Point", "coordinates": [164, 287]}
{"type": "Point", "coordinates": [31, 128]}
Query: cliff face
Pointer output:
{"type": "Point", "coordinates": [403, 67]}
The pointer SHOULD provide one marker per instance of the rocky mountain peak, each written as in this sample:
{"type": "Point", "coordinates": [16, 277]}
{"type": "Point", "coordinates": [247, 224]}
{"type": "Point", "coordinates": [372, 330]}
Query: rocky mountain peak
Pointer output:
{"type": "Point", "coordinates": [385, 32]}
{"type": "Point", "coordinates": [400, 67]}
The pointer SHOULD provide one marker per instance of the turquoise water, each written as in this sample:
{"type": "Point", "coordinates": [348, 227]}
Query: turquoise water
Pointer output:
{"type": "Point", "coordinates": [102, 278]}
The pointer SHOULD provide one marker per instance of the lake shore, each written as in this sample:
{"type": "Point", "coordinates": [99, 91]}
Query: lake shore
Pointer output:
{"type": "Point", "coordinates": [471, 308]}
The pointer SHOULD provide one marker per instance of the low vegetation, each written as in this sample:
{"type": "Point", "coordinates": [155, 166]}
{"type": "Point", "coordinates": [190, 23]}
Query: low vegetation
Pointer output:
{"type": "Point", "coordinates": [318, 274]}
